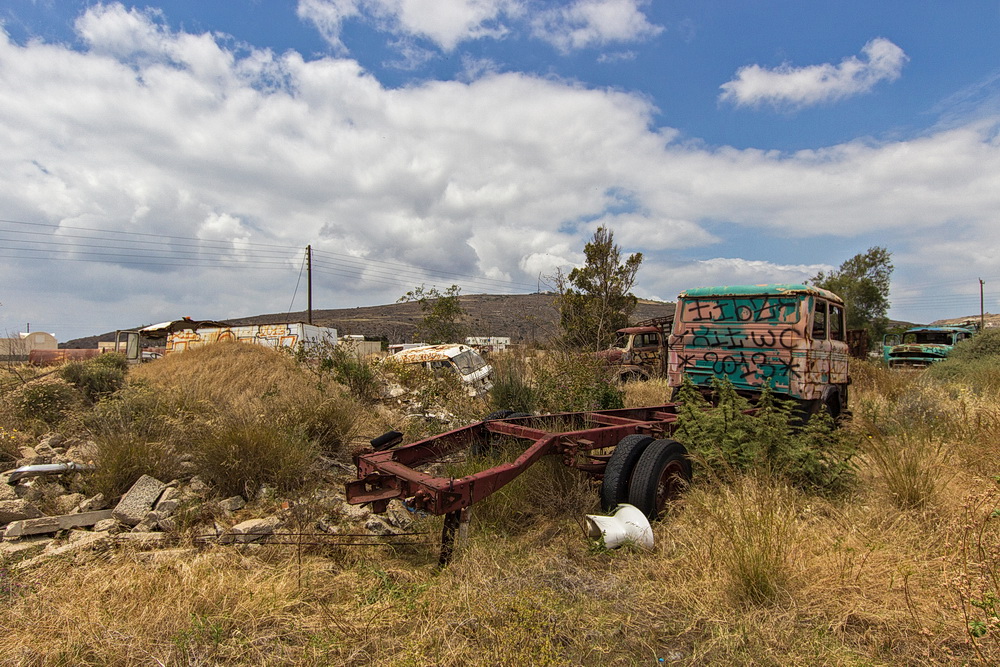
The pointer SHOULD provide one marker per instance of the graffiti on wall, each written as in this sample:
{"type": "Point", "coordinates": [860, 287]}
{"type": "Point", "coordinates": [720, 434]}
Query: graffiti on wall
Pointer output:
{"type": "Point", "coordinates": [270, 335]}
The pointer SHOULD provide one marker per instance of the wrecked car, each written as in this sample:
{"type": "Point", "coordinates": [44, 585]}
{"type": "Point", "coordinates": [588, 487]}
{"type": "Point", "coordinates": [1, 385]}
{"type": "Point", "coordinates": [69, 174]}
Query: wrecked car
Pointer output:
{"type": "Point", "coordinates": [462, 360]}
{"type": "Point", "coordinates": [920, 347]}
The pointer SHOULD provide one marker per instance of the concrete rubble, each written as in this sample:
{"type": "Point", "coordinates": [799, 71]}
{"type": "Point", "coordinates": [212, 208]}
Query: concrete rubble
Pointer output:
{"type": "Point", "coordinates": [45, 515]}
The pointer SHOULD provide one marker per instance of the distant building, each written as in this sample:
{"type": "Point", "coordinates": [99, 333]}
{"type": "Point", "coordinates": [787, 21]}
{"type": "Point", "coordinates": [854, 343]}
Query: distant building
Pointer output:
{"type": "Point", "coordinates": [488, 343]}
{"type": "Point", "coordinates": [19, 348]}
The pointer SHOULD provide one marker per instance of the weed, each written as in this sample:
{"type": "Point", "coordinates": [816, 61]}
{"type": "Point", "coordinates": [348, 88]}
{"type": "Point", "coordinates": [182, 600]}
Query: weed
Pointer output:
{"type": "Point", "coordinates": [754, 517]}
{"type": "Point", "coordinates": [45, 404]}
{"type": "Point", "coordinates": [727, 438]}
{"type": "Point", "coordinates": [240, 453]}
{"type": "Point", "coordinates": [908, 463]}
{"type": "Point", "coordinates": [512, 389]}
{"type": "Point", "coordinates": [96, 377]}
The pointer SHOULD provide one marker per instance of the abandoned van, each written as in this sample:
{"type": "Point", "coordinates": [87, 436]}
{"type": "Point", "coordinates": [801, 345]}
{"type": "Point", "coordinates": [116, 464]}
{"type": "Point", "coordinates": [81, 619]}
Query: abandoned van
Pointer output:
{"type": "Point", "coordinates": [791, 337]}
{"type": "Point", "coordinates": [460, 359]}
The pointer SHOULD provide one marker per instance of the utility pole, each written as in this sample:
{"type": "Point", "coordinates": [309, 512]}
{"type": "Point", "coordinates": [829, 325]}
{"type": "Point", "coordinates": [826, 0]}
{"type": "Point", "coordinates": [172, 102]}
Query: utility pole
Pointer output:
{"type": "Point", "coordinates": [309, 281]}
{"type": "Point", "coordinates": [982, 312]}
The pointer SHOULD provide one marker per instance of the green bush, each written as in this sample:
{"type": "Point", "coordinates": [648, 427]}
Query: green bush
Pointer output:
{"type": "Point", "coordinates": [725, 439]}
{"type": "Point", "coordinates": [47, 404]}
{"type": "Point", "coordinates": [512, 388]}
{"type": "Point", "coordinates": [571, 382]}
{"type": "Point", "coordinates": [136, 434]}
{"type": "Point", "coordinates": [974, 362]}
{"type": "Point", "coordinates": [97, 377]}
{"type": "Point", "coordinates": [240, 453]}
{"type": "Point", "coordinates": [353, 372]}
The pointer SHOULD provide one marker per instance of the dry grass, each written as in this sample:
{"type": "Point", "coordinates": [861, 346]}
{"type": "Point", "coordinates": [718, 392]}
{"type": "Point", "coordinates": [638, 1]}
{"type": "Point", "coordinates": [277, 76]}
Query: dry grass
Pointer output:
{"type": "Point", "coordinates": [749, 573]}
{"type": "Point", "coordinates": [647, 392]}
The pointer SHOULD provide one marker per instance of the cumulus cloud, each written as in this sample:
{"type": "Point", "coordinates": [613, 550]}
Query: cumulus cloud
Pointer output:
{"type": "Point", "coordinates": [787, 86]}
{"type": "Point", "coordinates": [251, 155]}
{"type": "Point", "coordinates": [580, 24]}
{"type": "Point", "coordinates": [446, 24]}
{"type": "Point", "coordinates": [589, 23]}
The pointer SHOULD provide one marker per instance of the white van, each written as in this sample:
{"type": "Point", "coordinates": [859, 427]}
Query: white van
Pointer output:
{"type": "Point", "coordinates": [461, 359]}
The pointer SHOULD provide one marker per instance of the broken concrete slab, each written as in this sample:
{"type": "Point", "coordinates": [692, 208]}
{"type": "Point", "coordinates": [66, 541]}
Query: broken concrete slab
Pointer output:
{"type": "Point", "coordinates": [24, 546]}
{"type": "Point", "coordinates": [52, 524]}
{"type": "Point", "coordinates": [93, 503]}
{"type": "Point", "coordinates": [109, 525]}
{"type": "Point", "coordinates": [17, 510]}
{"type": "Point", "coordinates": [252, 530]}
{"type": "Point", "coordinates": [82, 542]}
{"type": "Point", "coordinates": [138, 500]}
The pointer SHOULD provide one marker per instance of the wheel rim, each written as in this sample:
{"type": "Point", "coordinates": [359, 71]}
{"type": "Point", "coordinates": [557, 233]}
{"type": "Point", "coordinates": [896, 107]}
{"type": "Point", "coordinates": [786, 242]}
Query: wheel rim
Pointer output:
{"type": "Point", "coordinates": [669, 484]}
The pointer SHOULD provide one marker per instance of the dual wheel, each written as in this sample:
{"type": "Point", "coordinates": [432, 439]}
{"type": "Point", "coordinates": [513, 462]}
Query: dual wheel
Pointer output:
{"type": "Point", "coordinates": [646, 473]}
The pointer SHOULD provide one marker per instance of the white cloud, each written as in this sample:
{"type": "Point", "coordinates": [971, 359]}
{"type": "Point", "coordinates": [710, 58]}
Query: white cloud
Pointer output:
{"type": "Point", "coordinates": [578, 25]}
{"type": "Point", "coordinates": [446, 24]}
{"type": "Point", "coordinates": [589, 23]}
{"type": "Point", "coordinates": [503, 176]}
{"type": "Point", "coordinates": [816, 84]}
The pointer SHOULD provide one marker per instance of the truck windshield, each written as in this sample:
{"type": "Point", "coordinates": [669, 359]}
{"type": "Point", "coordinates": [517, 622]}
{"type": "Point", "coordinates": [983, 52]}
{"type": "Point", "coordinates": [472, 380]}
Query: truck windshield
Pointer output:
{"type": "Point", "coordinates": [468, 362]}
{"type": "Point", "coordinates": [928, 338]}
{"type": "Point", "coordinates": [740, 310]}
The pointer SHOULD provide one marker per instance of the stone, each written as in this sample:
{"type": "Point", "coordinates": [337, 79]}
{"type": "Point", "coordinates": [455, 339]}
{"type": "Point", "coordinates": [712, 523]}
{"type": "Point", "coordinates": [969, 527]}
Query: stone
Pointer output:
{"type": "Point", "coordinates": [16, 510]}
{"type": "Point", "coordinates": [197, 486]}
{"type": "Point", "coordinates": [88, 540]}
{"type": "Point", "coordinates": [52, 524]}
{"type": "Point", "coordinates": [107, 525]}
{"type": "Point", "coordinates": [67, 503]}
{"type": "Point", "coordinates": [169, 524]}
{"type": "Point", "coordinates": [93, 503]}
{"type": "Point", "coordinates": [7, 491]}
{"type": "Point", "coordinates": [139, 500]}
{"type": "Point", "coordinates": [168, 502]}
{"type": "Point", "coordinates": [233, 504]}
{"type": "Point", "coordinates": [25, 546]}
{"type": "Point", "coordinates": [255, 530]}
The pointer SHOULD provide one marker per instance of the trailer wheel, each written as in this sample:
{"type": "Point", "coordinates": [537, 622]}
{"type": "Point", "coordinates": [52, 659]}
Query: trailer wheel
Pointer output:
{"type": "Point", "coordinates": [614, 488]}
{"type": "Point", "coordinates": [660, 475]}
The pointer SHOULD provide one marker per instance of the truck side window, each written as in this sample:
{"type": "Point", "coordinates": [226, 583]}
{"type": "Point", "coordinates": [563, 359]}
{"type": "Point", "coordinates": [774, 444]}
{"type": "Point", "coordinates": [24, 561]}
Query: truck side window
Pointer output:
{"type": "Point", "coordinates": [836, 322]}
{"type": "Point", "coordinates": [648, 340]}
{"type": "Point", "coordinates": [819, 321]}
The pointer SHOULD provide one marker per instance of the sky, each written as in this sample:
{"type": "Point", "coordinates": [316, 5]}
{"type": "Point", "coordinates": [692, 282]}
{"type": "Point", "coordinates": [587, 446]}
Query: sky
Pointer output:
{"type": "Point", "coordinates": [176, 158]}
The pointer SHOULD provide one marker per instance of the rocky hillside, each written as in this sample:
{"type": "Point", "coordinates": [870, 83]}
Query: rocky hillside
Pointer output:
{"type": "Point", "coordinates": [524, 318]}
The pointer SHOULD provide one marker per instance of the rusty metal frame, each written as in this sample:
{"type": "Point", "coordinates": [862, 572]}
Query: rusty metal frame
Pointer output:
{"type": "Point", "coordinates": [392, 474]}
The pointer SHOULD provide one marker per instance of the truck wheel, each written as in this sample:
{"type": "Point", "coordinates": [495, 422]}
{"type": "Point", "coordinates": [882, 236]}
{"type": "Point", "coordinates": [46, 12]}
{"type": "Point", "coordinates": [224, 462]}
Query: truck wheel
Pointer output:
{"type": "Point", "coordinates": [614, 488]}
{"type": "Point", "coordinates": [660, 475]}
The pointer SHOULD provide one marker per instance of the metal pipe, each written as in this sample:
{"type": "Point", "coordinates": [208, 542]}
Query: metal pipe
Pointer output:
{"type": "Point", "coordinates": [24, 472]}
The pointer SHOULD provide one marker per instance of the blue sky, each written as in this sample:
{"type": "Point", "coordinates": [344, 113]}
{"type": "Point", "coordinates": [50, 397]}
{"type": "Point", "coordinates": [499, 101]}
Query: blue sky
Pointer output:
{"type": "Point", "coordinates": [174, 158]}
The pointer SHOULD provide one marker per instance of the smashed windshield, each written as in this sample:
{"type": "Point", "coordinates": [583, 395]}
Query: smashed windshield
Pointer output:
{"type": "Point", "coordinates": [468, 362]}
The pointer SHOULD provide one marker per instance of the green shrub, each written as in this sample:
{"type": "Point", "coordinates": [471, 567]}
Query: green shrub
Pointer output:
{"type": "Point", "coordinates": [97, 377]}
{"type": "Point", "coordinates": [46, 403]}
{"type": "Point", "coordinates": [136, 433]}
{"type": "Point", "coordinates": [725, 439]}
{"type": "Point", "coordinates": [240, 453]}
{"type": "Point", "coordinates": [512, 388]}
{"type": "Point", "coordinates": [357, 374]}
{"type": "Point", "coordinates": [570, 382]}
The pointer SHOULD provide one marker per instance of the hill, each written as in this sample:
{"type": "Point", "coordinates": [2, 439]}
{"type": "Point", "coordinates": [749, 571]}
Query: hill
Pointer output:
{"type": "Point", "coordinates": [524, 318]}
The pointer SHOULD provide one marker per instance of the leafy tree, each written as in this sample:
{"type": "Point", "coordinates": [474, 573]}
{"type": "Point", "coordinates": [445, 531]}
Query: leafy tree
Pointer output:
{"type": "Point", "coordinates": [595, 300]}
{"type": "Point", "coordinates": [863, 283]}
{"type": "Point", "coordinates": [442, 313]}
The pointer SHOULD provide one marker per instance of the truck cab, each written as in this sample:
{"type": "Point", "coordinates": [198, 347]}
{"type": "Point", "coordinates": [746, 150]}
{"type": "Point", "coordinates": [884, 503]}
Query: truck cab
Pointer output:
{"type": "Point", "coordinates": [641, 350]}
{"type": "Point", "coordinates": [920, 347]}
{"type": "Point", "coordinates": [791, 337]}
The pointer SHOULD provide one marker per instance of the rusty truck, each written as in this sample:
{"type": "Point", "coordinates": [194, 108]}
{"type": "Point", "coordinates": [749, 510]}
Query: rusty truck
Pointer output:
{"type": "Point", "coordinates": [792, 337]}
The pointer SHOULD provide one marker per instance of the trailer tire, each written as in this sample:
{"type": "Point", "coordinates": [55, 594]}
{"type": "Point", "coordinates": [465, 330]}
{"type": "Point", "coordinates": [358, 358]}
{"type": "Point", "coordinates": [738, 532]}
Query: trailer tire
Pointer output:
{"type": "Point", "coordinates": [662, 472]}
{"type": "Point", "coordinates": [618, 471]}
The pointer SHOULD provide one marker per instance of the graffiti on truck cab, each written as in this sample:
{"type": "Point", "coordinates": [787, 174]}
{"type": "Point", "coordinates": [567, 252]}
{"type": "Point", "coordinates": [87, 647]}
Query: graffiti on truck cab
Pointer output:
{"type": "Point", "coordinates": [740, 310]}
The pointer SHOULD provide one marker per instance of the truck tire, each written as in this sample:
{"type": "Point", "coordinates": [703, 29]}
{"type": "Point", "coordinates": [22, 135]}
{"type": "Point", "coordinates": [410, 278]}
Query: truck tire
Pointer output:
{"type": "Point", "coordinates": [662, 472]}
{"type": "Point", "coordinates": [618, 471]}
